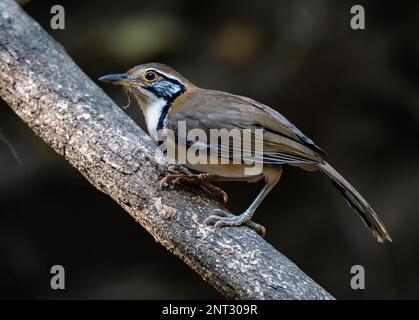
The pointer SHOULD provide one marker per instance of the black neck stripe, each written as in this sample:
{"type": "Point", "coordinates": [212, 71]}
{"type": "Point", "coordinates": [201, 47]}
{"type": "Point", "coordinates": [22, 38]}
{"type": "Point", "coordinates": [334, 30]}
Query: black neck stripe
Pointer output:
{"type": "Point", "coordinates": [169, 99]}
{"type": "Point", "coordinates": [167, 106]}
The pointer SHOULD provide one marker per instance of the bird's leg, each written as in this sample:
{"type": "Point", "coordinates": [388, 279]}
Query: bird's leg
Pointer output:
{"type": "Point", "coordinates": [202, 180]}
{"type": "Point", "coordinates": [223, 221]}
{"type": "Point", "coordinates": [230, 221]}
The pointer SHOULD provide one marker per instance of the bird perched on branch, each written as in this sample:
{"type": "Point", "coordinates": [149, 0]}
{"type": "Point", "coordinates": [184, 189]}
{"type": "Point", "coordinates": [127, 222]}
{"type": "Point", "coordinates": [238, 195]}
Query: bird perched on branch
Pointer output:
{"type": "Point", "coordinates": [166, 99]}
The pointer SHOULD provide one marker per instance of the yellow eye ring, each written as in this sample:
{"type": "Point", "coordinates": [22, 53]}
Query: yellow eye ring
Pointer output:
{"type": "Point", "coordinates": [150, 76]}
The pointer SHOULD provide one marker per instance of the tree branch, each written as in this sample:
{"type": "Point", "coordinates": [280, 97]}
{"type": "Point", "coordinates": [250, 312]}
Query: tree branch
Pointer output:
{"type": "Point", "coordinates": [80, 122]}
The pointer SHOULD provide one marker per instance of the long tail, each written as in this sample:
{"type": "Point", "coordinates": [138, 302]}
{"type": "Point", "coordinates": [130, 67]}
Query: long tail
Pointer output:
{"type": "Point", "coordinates": [356, 201]}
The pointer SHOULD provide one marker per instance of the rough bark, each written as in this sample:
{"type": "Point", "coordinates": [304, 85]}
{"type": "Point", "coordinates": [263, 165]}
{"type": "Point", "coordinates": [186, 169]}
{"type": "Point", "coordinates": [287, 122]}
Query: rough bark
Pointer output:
{"type": "Point", "coordinates": [49, 92]}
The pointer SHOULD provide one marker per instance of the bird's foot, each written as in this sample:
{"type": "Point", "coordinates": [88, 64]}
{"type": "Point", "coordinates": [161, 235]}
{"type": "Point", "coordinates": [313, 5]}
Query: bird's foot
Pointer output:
{"type": "Point", "coordinates": [223, 219]}
{"type": "Point", "coordinates": [171, 180]}
{"type": "Point", "coordinates": [196, 179]}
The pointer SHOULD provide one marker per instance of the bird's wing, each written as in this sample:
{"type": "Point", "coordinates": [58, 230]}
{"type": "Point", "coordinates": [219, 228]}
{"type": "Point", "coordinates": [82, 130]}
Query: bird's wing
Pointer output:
{"type": "Point", "coordinates": [276, 122]}
{"type": "Point", "coordinates": [283, 142]}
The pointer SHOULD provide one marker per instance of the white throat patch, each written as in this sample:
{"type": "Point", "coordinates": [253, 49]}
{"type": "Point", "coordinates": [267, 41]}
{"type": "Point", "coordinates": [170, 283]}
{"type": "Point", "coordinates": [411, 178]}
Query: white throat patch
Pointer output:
{"type": "Point", "coordinates": [152, 115]}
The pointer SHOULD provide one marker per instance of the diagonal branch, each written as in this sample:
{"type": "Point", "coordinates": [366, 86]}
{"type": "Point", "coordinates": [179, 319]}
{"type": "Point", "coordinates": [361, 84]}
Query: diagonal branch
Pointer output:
{"type": "Point", "coordinates": [79, 121]}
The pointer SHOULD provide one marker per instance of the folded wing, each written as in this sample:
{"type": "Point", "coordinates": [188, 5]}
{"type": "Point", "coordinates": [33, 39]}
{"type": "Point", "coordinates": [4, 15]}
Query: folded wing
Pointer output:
{"type": "Point", "coordinates": [283, 142]}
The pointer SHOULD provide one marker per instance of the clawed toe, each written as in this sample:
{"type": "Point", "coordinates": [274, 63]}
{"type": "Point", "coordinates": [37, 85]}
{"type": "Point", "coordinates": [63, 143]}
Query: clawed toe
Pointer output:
{"type": "Point", "coordinates": [170, 180]}
{"type": "Point", "coordinates": [213, 219]}
{"type": "Point", "coordinates": [163, 183]}
{"type": "Point", "coordinates": [260, 230]}
{"type": "Point", "coordinates": [217, 192]}
{"type": "Point", "coordinates": [224, 219]}
{"type": "Point", "coordinates": [199, 180]}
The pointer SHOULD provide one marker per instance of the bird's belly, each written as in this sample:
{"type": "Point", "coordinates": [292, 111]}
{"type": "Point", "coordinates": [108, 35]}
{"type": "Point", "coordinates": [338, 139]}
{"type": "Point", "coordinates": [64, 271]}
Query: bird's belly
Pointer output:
{"type": "Point", "coordinates": [213, 165]}
{"type": "Point", "coordinates": [234, 171]}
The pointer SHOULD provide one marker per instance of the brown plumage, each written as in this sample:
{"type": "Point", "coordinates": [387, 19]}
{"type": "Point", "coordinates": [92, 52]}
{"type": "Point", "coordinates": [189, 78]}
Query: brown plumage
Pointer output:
{"type": "Point", "coordinates": [171, 98]}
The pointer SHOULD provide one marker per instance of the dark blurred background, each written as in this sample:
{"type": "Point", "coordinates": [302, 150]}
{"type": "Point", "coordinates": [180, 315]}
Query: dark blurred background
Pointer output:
{"type": "Point", "coordinates": [354, 92]}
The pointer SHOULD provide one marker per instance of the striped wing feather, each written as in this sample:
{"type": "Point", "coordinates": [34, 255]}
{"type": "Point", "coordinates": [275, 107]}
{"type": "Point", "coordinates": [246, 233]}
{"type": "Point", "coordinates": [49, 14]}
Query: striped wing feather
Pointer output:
{"type": "Point", "coordinates": [283, 142]}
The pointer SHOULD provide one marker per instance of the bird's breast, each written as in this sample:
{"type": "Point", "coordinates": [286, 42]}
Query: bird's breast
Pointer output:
{"type": "Point", "coordinates": [152, 114]}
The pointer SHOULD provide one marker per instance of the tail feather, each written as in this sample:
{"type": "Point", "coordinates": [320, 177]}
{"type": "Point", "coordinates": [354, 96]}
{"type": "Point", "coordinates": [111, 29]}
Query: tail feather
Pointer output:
{"type": "Point", "coordinates": [356, 201]}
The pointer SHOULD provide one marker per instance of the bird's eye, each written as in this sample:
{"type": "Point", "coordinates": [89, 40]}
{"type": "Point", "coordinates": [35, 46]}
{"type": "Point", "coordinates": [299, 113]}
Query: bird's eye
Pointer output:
{"type": "Point", "coordinates": [150, 76]}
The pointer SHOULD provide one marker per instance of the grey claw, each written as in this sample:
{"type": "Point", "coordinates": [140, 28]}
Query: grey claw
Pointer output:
{"type": "Point", "coordinates": [260, 230]}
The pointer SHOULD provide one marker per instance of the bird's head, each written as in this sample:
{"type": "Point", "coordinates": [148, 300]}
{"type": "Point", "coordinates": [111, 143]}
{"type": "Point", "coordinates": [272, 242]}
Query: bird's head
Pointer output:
{"type": "Point", "coordinates": [151, 82]}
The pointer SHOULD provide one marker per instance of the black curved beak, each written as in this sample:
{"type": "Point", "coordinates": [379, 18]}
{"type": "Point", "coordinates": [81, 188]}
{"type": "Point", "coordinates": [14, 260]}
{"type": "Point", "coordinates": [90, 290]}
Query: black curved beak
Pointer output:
{"type": "Point", "coordinates": [119, 79]}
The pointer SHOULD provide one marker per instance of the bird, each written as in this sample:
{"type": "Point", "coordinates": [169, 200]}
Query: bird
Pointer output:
{"type": "Point", "coordinates": [167, 98]}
